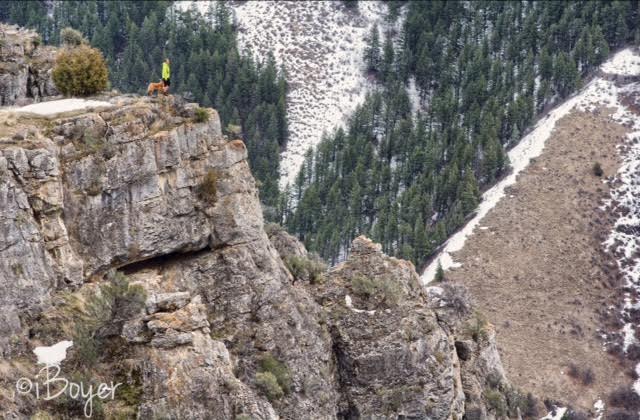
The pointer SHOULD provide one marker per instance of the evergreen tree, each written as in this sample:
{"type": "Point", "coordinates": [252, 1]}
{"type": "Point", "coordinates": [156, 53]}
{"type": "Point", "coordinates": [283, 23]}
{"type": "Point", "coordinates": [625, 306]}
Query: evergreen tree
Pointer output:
{"type": "Point", "coordinates": [372, 50]}
{"type": "Point", "coordinates": [387, 61]}
{"type": "Point", "coordinates": [470, 196]}
{"type": "Point", "coordinates": [483, 71]}
{"type": "Point", "coordinates": [439, 278]}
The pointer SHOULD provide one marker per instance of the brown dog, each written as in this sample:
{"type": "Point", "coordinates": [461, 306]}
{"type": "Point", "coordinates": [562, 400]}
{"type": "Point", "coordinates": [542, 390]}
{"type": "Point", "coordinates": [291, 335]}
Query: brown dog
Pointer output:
{"type": "Point", "coordinates": [156, 87]}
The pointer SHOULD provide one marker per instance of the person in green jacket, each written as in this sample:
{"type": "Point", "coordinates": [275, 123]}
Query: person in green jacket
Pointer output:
{"type": "Point", "coordinates": [166, 75]}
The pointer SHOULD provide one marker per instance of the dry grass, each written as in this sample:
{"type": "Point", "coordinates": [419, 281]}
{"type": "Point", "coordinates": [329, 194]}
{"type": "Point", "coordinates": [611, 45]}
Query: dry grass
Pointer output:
{"type": "Point", "coordinates": [208, 188]}
{"type": "Point", "coordinates": [537, 272]}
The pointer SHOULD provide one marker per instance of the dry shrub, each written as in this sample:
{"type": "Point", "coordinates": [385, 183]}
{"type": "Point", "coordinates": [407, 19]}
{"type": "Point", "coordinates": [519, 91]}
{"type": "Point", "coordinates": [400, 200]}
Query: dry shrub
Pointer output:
{"type": "Point", "coordinates": [201, 115]}
{"type": "Point", "coordinates": [268, 384]}
{"type": "Point", "coordinates": [633, 352]}
{"type": "Point", "coordinates": [208, 188]}
{"type": "Point", "coordinates": [383, 292]}
{"type": "Point", "coordinates": [273, 377]}
{"type": "Point", "coordinates": [624, 397]}
{"type": "Point", "coordinates": [621, 415]}
{"type": "Point", "coordinates": [80, 71]}
{"type": "Point", "coordinates": [72, 37]}
{"type": "Point", "coordinates": [583, 375]}
{"type": "Point", "coordinates": [308, 268]}
{"type": "Point", "coordinates": [597, 169]}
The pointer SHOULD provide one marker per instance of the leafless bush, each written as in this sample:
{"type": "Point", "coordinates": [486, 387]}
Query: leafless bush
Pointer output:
{"type": "Point", "coordinates": [621, 415]}
{"type": "Point", "coordinates": [473, 413]}
{"type": "Point", "coordinates": [624, 397]}
{"type": "Point", "coordinates": [633, 352]}
{"type": "Point", "coordinates": [584, 375]}
{"type": "Point", "coordinates": [571, 414]}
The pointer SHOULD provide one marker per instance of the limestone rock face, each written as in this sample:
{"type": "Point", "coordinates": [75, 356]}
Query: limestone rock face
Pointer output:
{"type": "Point", "coordinates": [393, 357]}
{"type": "Point", "coordinates": [25, 67]}
{"type": "Point", "coordinates": [143, 188]}
{"type": "Point", "coordinates": [122, 188]}
{"type": "Point", "coordinates": [136, 186]}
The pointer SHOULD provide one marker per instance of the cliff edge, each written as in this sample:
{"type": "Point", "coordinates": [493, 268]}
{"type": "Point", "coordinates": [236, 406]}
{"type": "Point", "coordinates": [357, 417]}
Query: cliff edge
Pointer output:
{"type": "Point", "coordinates": [149, 190]}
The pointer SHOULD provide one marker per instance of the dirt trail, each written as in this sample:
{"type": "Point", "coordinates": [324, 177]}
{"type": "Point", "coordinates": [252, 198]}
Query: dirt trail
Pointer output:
{"type": "Point", "coordinates": [534, 265]}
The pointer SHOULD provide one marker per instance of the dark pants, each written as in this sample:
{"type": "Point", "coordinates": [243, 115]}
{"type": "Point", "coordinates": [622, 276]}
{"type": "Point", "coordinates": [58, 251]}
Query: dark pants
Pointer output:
{"type": "Point", "coordinates": [166, 82]}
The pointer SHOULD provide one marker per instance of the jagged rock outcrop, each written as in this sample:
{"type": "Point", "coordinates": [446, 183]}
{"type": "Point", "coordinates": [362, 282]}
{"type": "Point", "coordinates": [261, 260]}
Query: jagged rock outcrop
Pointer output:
{"type": "Point", "coordinates": [25, 66]}
{"type": "Point", "coordinates": [145, 188]}
{"type": "Point", "coordinates": [393, 357]}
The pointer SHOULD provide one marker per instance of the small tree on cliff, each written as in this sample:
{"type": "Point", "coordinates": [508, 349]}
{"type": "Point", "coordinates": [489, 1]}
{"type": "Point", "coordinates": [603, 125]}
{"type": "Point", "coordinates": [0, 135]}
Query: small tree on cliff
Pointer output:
{"type": "Point", "coordinates": [439, 273]}
{"type": "Point", "coordinates": [80, 71]}
{"type": "Point", "coordinates": [72, 37]}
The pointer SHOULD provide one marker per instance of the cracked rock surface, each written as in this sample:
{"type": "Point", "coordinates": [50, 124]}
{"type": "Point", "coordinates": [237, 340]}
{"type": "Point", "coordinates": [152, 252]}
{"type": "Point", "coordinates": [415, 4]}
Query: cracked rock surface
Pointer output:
{"type": "Point", "coordinates": [122, 188]}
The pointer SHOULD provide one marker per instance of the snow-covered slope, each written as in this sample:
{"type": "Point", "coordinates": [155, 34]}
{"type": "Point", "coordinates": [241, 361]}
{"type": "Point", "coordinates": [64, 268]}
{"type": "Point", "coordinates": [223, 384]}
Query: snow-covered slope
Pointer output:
{"type": "Point", "coordinates": [624, 240]}
{"type": "Point", "coordinates": [320, 44]}
{"type": "Point", "coordinates": [599, 92]}
{"type": "Point", "coordinates": [624, 63]}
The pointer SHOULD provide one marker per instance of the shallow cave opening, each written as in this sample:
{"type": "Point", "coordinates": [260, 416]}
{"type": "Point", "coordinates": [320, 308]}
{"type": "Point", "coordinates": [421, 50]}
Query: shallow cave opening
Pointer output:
{"type": "Point", "coordinates": [159, 261]}
{"type": "Point", "coordinates": [462, 350]}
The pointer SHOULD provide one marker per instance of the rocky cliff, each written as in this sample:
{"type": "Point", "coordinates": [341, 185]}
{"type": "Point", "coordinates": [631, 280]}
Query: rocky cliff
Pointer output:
{"type": "Point", "coordinates": [230, 323]}
{"type": "Point", "coordinates": [25, 66]}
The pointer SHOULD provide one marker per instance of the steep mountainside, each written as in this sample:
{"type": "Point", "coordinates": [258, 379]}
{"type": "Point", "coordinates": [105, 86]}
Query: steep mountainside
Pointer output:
{"type": "Point", "coordinates": [485, 72]}
{"type": "Point", "coordinates": [203, 316]}
{"type": "Point", "coordinates": [554, 263]}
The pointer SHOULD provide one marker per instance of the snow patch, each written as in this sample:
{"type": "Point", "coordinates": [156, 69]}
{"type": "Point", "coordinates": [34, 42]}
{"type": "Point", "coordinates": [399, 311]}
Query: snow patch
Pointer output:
{"type": "Point", "coordinates": [624, 63]}
{"type": "Point", "coordinates": [52, 355]}
{"type": "Point", "coordinates": [555, 414]}
{"type": "Point", "coordinates": [347, 301]}
{"type": "Point", "coordinates": [53, 108]}
{"type": "Point", "coordinates": [598, 407]}
{"type": "Point", "coordinates": [414, 96]}
{"type": "Point", "coordinates": [434, 293]}
{"type": "Point", "coordinates": [636, 385]}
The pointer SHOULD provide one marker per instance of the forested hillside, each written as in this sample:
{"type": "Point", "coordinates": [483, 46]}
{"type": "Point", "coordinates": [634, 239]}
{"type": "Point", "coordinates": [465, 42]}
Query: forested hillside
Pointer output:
{"type": "Point", "coordinates": [135, 37]}
{"type": "Point", "coordinates": [484, 71]}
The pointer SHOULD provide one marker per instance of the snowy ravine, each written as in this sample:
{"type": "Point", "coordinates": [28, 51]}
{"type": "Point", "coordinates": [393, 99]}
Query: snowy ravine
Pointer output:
{"type": "Point", "coordinates": [320, 44]}
{"type": "Point", "coordinates": [599, 92]}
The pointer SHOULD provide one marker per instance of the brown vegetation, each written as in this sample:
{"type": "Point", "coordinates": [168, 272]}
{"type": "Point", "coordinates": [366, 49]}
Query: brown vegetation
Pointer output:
{"type": "Point", "coordinates": [538, 271]}
{"type": "Point", "coordinates": [80, 71]}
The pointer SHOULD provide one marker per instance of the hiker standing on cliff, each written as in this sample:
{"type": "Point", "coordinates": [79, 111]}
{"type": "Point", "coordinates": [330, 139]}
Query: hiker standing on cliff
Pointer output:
{"type": "Point", "coordinates": [166, 75]}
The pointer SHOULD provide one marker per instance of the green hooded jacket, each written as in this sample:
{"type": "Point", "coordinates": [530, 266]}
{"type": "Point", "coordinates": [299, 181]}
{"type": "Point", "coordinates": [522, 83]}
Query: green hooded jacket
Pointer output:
{"type": "Point", "coordinates": [166, 71]}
